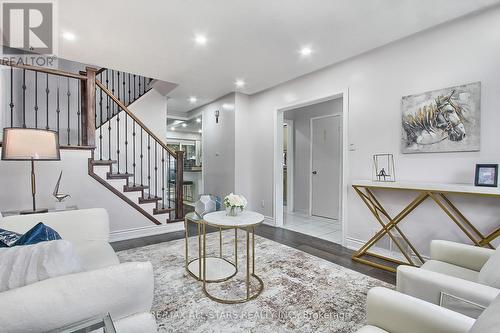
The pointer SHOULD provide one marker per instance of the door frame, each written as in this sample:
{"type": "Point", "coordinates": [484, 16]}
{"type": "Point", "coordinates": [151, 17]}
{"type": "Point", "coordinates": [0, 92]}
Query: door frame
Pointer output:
{"type": "Point", "coordinates": [278, 154]}
{"type": "Point", "coordinates": [311, 132]}
{"type": "Point", "coordinates": [290, 167]}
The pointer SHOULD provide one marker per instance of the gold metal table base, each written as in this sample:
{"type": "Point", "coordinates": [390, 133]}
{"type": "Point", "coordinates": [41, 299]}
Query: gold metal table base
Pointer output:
{"type": "Point", "coordinates": [192, 218]}
{"type": "Point", "coordinates": [250, 273]}
{"type": "Point", "coordinates": [389, 225]}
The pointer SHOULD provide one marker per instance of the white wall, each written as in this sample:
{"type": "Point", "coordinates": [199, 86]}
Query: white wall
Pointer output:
{"type": "Point", "coordinates": [218, 142]}
{"type": "Point", "coordinates": [15, 193]}
{"type": "Point", "coordinates": [302, 146]}
{"type": "Point", "coordinates": [463, 51]}
{"type": "Point", "coordinates": [151, 109]}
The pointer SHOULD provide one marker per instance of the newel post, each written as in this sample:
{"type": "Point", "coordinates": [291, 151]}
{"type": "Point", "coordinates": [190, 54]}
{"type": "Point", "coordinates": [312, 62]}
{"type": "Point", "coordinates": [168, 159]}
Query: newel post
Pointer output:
{"type": "Point", "coordinates": [179, 183]}
{"type": "Point", "coordinates": [88, 87]}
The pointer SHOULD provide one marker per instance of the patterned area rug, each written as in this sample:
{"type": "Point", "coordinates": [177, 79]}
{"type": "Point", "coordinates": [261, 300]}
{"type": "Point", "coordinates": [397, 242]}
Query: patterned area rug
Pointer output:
{"type": "Point", "coordinates": [302, 293]}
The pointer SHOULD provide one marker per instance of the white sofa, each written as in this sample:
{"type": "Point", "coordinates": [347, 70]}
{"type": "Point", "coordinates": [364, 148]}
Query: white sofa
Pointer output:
{"type": "Point", "coordinates": [389, 311]}
{"type": "Point", "coordinates": [124, 290]}
{"type": "Point", "coordinates": [454, 269]}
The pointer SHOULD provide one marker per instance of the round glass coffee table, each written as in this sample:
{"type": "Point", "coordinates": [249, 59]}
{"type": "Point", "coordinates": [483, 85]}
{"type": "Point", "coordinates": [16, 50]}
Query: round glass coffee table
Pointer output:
{"type": "Point", "coordinates": [218, 268]}
{"type": "Point", "coordinates": [246, 220]}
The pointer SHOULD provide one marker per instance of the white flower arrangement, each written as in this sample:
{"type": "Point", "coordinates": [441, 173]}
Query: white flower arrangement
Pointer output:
{"type": "Point", "coordinates": [235, 201]}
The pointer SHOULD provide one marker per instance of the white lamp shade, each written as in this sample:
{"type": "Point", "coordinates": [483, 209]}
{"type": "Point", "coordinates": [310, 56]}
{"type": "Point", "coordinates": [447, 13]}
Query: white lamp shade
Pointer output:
{"type": "Point", "coordinates": [29, 143]}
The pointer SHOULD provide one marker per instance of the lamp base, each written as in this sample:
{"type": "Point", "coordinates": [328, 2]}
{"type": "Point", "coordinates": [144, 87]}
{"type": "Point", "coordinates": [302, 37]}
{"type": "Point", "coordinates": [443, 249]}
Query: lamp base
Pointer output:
{"type": "Point", "coordinates": [36, 211]}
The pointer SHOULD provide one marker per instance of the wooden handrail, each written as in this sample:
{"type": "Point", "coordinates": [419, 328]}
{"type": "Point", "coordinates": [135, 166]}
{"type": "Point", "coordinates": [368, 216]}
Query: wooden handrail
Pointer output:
{"type": "Point", "coordinates": [43, 70]}
{"type": "Point", "coordinates": [131, 115]}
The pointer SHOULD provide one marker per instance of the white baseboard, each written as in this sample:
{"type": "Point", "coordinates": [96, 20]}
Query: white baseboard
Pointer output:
{"type": "Point", "coordinates": [269, 221]}
{"type": "Point", "coordinates": [120, 235]}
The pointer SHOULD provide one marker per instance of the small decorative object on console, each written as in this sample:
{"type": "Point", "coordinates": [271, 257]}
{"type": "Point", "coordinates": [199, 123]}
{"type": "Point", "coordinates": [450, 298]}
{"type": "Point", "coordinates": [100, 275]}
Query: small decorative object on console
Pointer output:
{"type": "Point", "coordinates": [233, 203]}
{"type": "Point", "coordinates": [486, 175]}
{"type": "Point", "coordinates": [383, 168]}
{"type": "Point", "coordinates": [60, 204]}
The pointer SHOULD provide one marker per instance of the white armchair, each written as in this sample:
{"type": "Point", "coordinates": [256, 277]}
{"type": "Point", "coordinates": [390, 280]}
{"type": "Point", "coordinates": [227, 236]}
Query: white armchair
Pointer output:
{"type": "Point", "coordinates": [123, 290]}
{"type": "Point", "coordinates": [389, 311]}
{"type": "Point", "coordinates": [453, 273]}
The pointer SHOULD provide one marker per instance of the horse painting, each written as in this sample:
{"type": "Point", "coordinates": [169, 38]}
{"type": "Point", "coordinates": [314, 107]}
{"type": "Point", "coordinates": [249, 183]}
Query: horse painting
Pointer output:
{"type": "Point", "coordinates": [440, 121]}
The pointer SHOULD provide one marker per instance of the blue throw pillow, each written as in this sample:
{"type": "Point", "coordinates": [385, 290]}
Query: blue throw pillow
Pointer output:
{"type": "Point", "coordinates": [8, 238]}
{"type": "Point", "coordinates": [39, 233]}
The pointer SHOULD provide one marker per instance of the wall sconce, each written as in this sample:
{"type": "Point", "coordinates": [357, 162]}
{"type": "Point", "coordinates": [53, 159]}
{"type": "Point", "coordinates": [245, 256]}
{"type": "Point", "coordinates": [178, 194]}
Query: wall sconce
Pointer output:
{"type": "Point", "coordinates": [216, 116]}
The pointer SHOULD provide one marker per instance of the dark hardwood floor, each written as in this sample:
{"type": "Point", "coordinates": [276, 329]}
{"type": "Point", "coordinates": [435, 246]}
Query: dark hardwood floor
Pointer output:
{"type": "Point", "coordinates": [315, 246]}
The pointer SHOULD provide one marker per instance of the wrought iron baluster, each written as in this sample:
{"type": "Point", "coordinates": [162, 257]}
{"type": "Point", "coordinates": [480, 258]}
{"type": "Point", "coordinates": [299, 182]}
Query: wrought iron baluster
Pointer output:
{"type": "Point", "coordinates": [135, 93]}
{"type": "Point", "coordinates": [107, 97]}
{"type": "Point", "coordinates": [118, 86]}
{"type": "Point", "coordinates": [109, 139]}
{"type": "Point", "coordinates": [112, 91]}
{"type": "Point", "coordinates": [118, 139]}
{"type": "Point", "coordinates": [58, 110]}
{"type": "Point", "coordinates": [133, 149]}
{"type": "Point", "coordinates": [36, 99]}
{"type": "Point", "coordinates": [162, 178]}
{"type": "Point", "coordinates": [100, 122]}
{"type": "Point", "coordinates": [128, 88]}
{"type": "Point", "coordinates": [68, 93]}
{"type": "Point", "coordinates": [11, 104]}
{"type": "Point", "coordinates": [141, 156]}
{"type": "Point", "coordinates": [140, 87]}
{"type": "Point", "coordinates": [124, 96]}
{"type": "Point", "coordinates": [149, 165]}
{"type": "Point", "coordinates": [156, 169]}
{"type": "Point", "coordinates": [144, 88]}
{"type": "Point", "coordinates": [47, 91]}
{"type": "Point", "coordinates": [78, 115]}
{"type": "Point", "coordinates": [24, 98]}
{"type": "Point", "coordinates": [126, 142]}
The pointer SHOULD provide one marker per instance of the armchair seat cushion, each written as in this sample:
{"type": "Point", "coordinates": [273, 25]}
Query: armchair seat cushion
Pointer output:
{"type": "Point", "coordinates": [490, 272]}
{"type": "Point", "coordinates": [452, 270]}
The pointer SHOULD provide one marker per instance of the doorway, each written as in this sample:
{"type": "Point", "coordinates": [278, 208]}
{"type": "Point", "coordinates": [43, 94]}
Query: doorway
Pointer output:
{"type": "Point", "coordinates": [309, 183]}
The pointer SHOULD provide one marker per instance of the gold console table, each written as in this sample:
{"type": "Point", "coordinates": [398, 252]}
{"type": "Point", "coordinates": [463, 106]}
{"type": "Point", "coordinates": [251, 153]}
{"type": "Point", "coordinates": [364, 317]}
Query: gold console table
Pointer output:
{"type": "Point", "coordinates": [389, 225]}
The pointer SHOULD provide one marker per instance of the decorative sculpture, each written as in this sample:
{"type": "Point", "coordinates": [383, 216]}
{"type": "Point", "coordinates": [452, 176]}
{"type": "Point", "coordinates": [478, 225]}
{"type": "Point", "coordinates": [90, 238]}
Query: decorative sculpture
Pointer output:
{"type": "Point", "coordinates": [59, 196]}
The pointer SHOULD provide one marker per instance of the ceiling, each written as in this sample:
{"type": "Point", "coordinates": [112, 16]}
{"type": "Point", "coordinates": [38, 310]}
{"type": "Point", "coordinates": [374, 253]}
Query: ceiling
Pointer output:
{"type": "Point", "coordinates": [255, 40]}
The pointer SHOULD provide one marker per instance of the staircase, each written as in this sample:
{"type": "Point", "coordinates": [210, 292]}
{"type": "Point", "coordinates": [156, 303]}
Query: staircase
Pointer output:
{"type": "Point", "coordinates": [127, 157]}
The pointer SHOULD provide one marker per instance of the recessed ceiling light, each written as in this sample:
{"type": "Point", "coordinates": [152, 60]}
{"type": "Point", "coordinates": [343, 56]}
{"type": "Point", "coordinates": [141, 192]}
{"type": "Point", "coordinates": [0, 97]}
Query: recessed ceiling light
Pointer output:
{"type": "Point", "coordinates": [184, 125]}
{"type": "Point", "coordinates": [69, 36]}
{"type": "Point", "coordinates": [198, 120]}
{"type": "Point", "coordinates": [172, 128]}
{"type": "Point", "coordinates": [305, 51]}
{"type": "Point", "coordinates": [200, 39]}
{"type": "Point", "coordinates": [239, 83]}
{"type": "Point", "coordinates": [192, 99]}
{"type": "Point", "coordinates": [199, 131]}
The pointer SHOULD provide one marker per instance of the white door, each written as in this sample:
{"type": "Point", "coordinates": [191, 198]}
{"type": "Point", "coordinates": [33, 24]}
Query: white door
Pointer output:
{"type": "Point", "coordinates": [326, 162]}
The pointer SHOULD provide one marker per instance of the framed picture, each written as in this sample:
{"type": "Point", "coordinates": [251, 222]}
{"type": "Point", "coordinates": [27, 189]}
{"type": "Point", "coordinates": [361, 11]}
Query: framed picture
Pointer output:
{"type": "Point", "coordinates": [444, 120]}
{"type": "Point", "coordinates": [486, 175]}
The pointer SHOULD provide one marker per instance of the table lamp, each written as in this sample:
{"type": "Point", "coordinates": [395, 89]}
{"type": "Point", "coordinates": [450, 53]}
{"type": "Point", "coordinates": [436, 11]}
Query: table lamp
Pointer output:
{"type": "Point", "coordinates": [28, 144]}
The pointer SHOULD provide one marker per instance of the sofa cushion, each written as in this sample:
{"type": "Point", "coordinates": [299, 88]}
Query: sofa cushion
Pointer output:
{"type": "Point", "coordinates": [39, 233]}
{"type": "Point", "coordinates": [95, 254]}
{"type": "Point", "coordinates": [452, 270]}
{"type": "Point", "coordinates": [8, 238]}
{"type": "Point", "coordinates": [489, 320]}
{"type": "Point", "coordinates": [370, 329]}
{"type": "Point", "coordinates": [490, 273]}
{"type": "Point", "coordinates": [23, 265]}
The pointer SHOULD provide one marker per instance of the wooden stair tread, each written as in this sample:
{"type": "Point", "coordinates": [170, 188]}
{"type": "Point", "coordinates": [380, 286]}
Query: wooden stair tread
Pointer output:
{"type": "Point", "coordinates": [157, 211]}
{"type": "Point", "coordinates": [149, 199]}
{"type": "Point", "coordinates": [102, 162]}
{"type": "Point", "coordinates": [134, 188]}
{"type": "Point", "coordinates": [110, 175]}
